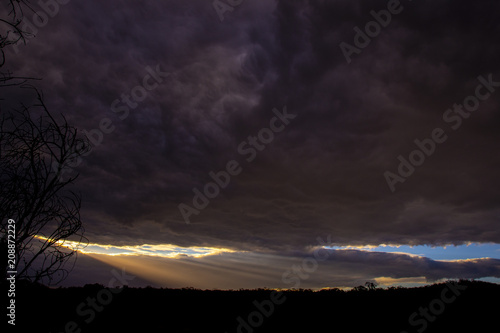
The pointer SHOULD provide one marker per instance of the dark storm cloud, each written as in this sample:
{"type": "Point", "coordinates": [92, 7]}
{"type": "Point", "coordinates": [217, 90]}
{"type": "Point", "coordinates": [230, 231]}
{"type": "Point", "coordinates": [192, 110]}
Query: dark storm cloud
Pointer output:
{"type": "Point", "coordinates": [324, 173]}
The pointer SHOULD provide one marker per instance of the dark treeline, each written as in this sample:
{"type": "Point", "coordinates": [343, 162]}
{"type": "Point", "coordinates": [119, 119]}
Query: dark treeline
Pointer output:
{"type": "Point", "coordinates": [445, 307]}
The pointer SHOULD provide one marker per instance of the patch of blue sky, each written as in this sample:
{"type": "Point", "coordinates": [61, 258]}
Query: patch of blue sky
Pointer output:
{"type": "Point", "coordinates": [449, 252]}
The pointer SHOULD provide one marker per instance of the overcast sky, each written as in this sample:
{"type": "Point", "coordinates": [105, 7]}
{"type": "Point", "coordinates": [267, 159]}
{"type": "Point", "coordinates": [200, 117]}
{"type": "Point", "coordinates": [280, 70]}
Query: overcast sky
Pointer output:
{"type": "Point", "coordinates": [203, 85]}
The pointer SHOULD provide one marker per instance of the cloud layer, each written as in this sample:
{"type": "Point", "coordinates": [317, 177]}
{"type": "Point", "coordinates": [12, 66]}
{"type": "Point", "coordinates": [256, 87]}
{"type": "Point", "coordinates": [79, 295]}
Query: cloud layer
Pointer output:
{"type": "Point", "coordinates": [340, 268]}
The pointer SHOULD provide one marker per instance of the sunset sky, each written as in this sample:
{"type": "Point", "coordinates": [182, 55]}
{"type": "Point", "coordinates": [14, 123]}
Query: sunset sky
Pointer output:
{"type": "Point", "coordinates": [229, 153]}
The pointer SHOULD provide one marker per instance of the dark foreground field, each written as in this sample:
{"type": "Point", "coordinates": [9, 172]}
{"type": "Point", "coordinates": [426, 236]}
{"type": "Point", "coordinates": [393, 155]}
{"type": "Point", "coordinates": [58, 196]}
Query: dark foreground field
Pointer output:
{"type": "Point", "coordinates": [462, 306]}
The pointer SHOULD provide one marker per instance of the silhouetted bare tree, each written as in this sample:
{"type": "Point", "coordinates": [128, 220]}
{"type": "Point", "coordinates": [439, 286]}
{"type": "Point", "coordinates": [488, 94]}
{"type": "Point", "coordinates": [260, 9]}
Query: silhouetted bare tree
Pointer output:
{"type": "Point", "coordinates": [11, 33]}
{"type": "Point", "coordinates": [34, 149]}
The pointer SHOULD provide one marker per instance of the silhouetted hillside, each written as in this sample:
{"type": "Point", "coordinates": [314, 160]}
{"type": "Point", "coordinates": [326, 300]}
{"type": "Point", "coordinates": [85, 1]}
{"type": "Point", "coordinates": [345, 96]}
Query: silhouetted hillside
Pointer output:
{"type": "Point", "coordinates": [452, 307]}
